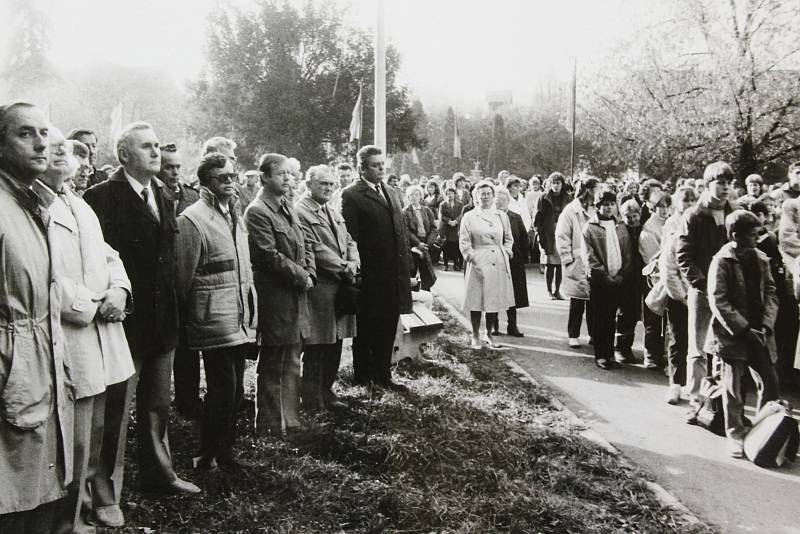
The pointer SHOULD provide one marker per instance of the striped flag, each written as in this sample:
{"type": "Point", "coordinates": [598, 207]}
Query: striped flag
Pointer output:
{"type": "Point", "coordinates": [355, 122]}
{"type": "Point", "coordinates": [456, 141]}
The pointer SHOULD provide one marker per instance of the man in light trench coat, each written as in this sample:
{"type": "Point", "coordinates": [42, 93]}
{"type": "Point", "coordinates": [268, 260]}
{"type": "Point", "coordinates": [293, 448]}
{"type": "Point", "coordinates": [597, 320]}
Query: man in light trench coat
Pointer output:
{"type": "Point", "coordinates": [337, 261]}
{"type": "Point", "coordinates": [36, 402]}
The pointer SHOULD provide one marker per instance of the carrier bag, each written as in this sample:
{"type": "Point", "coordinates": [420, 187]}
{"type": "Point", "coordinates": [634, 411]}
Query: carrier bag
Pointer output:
{"type": "Point", "coordinates": [709, 414]}
{"type": "Point", "coordinates": [773, 440]}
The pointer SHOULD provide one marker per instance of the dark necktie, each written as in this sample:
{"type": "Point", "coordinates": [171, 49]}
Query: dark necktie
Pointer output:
{"type": "Point", "coordinates": [146, 198]}
{"type": "Point", "coordinates": [381, 196]}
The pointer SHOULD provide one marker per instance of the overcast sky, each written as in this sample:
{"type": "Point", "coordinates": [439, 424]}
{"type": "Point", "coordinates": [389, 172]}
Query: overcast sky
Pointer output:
{"type": "Point", "coordinates": [453, 51]}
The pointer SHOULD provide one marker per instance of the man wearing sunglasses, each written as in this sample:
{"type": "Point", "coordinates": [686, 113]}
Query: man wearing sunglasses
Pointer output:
{"type": "Point", "coordinates": [217, 302]}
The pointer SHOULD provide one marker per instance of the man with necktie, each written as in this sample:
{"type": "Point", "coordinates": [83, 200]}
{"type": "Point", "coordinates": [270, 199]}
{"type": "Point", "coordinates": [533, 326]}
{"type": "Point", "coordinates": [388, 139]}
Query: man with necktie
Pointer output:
{"type": "Point", "coordinates": [138, 220]}
{"type": "Point", "coordinates": [374, 219]}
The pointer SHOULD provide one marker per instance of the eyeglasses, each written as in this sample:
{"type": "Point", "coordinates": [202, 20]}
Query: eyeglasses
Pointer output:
{"type": "Point", "coordinates": [226, 178]}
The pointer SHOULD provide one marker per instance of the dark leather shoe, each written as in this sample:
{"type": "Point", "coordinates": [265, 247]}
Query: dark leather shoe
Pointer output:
{"type": "Point", "coordinates": [177, 486]}
{"type": "Point", "coordinates": [514, 332]}
{"type": "Point", "coordinates": [603, 363]}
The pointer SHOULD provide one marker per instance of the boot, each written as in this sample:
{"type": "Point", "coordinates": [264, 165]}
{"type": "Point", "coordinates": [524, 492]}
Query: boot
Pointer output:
{"type": "Point", "coordinates": [512, 329]}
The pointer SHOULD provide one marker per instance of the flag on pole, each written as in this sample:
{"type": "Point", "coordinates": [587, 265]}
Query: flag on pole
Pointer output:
{"type": "Point", "coordinates": [571, 100]}
{"type": "Point", "coordinates": [117, 121]}
{"type": "Point", "coordinates": [456, 141]}
{"type": "Point", "coordinates": [355, 122]}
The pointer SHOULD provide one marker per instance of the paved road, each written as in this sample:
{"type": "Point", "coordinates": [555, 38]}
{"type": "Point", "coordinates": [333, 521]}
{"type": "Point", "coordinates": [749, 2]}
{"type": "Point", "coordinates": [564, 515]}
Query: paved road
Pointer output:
{"type": "Point", "coordinates": [627, 408]}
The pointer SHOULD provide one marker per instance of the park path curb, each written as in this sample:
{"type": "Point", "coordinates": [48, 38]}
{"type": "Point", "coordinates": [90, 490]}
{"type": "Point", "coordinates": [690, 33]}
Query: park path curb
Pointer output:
{"type": "Point", "coordinates": [664, 497]}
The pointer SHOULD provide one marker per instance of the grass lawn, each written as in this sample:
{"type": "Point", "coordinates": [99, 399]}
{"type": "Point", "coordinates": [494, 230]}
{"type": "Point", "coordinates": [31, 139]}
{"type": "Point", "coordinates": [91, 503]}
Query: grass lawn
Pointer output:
{"type": "Point", "coordinates": [470, 448]}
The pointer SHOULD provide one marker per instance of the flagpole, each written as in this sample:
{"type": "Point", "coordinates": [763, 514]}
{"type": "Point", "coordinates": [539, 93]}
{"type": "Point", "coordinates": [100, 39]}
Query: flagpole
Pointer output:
{"type": "Point", "coordinates": [380, 80]}
{"type": "Point", "coordinates": [572, 126]}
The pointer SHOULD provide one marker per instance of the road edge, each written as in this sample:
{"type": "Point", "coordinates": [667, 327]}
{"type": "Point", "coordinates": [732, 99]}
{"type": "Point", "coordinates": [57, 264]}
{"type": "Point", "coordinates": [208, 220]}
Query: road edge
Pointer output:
{"type": "Point", "coordinates": [664, 497]}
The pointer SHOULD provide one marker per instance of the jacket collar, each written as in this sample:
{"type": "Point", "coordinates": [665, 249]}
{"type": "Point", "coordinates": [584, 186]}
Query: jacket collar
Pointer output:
{"type": "Point", "coordinates": [119, 176]}
{"type": "Point", "coordinates": [212, 199]}
{"type": "Point", "coordinates": [728, 252]}
{"type": "Point", "coordinates": [25, 196]}
{"type": "Point", "coordinates": [595, 219]}
{"type": "Point", "coordinates": [308, 202]}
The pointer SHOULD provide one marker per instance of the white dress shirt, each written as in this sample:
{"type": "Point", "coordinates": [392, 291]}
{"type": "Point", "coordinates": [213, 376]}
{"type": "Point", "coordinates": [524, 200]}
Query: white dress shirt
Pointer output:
{"type": "Point", "coordinates": [151, 199]}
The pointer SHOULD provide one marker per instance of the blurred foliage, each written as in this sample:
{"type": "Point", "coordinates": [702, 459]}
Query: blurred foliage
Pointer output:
{"type": "Point", "coordinates": [285, 79]}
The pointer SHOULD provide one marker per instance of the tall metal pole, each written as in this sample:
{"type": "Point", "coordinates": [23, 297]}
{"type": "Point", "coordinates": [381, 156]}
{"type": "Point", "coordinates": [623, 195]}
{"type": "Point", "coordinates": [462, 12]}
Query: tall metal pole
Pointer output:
{"type": "Point", "coordinates": [380, 79]}
{"type": "Point", "coordinates": [572, 126]}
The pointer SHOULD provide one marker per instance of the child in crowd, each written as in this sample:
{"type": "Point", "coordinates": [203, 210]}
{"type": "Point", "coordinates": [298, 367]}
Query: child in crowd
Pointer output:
{"type": "Point", "coordinates": [607, 250]}
{"type": "Point", "coordinates": [744, 304]}
{"type": "Point", "coordinates": [630, 295]}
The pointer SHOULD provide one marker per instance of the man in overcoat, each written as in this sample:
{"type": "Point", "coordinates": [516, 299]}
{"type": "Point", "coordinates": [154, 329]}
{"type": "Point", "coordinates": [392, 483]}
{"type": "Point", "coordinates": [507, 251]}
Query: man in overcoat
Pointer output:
{"type": "Point", "coordinates": [95, 287]}
{"type": "Point", "coordinates": [36, 401]}
{"type": "Point", "coordinates": [138, 221]}
{"type": "Point", "coordinates": [374, 217]}
{"type": "Point", "coordinates": [283, 270]}
{"type": "Point", "coordinates": [337, 262]}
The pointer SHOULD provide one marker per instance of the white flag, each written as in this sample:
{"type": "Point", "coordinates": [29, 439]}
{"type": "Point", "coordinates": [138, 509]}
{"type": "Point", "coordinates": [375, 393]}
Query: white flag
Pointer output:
{"type": "Point", "coordinates": [355, 122]}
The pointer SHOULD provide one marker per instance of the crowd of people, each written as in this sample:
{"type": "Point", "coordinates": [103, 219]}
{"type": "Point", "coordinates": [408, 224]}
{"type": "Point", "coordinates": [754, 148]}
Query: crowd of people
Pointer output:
{"type": "Point", "coordinates": [119, 281]}
{"type": "Point", "coordinates": [708, 266]}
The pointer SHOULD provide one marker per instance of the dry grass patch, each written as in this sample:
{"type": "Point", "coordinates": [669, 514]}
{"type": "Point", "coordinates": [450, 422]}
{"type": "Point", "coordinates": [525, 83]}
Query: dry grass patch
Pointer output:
{"type": "Point", "coordinates": [469, 449]}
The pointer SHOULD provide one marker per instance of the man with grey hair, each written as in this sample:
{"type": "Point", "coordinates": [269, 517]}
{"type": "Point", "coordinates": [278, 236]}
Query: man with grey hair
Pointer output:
{"type": "Point", "coordinates": [223, 145]}
{"type": "Point", "coordinates": [138, 220]}
{"type": "Point", "coordinates": [337, 260]}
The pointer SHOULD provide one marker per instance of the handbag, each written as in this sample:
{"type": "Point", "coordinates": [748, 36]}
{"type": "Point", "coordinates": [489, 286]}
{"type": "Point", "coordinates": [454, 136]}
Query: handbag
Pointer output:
{"type": "Point", "coordinates": [347, 300]}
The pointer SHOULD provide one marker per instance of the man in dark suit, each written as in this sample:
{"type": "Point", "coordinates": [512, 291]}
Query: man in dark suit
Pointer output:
{"type": "Point", "coordinates": [138, 220]}
{"type": "Point", "coordinates": [372, 212]}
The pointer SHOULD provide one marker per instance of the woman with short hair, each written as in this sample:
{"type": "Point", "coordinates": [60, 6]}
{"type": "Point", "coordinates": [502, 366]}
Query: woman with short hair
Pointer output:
{"type": "Point", "coordinates": [486, 243]}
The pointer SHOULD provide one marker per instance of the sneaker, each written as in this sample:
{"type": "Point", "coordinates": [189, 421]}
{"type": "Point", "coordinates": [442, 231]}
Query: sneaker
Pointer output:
{"type": "Point", "coordinates": [673, 395]}
{"type": "Point", "coordinates": [734, 448]}
{"type": "Point", "coordinates": [650, 364]}
{"type": "Point", "coordinates": [574, 342]}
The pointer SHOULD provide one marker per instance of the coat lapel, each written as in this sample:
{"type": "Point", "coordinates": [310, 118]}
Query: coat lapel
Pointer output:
{"type": "Point", "coordinates": [125, 193]}
{"type": "Point", "coordinates": [370, 193]}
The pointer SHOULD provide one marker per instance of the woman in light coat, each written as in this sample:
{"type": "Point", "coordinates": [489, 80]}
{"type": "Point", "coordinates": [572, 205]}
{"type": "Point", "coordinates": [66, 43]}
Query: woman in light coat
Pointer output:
{"type": "Point", "coordinates": [486, 243]}
{"type": "Point", "coordinates": [569, 244]}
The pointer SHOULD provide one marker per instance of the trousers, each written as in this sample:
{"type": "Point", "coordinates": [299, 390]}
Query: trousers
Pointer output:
{"type": "Point", "coordinates": [224, 391]}
{"type": "Point", "coordinates": [277, 388]}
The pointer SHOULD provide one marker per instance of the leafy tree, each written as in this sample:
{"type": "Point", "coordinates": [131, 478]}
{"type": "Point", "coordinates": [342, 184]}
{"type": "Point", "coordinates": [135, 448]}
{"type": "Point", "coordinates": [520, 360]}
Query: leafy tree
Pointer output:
{"type": "Point", "coordinates": [286, 79]}
{"type": "Point", "coordinates": [711, 81]}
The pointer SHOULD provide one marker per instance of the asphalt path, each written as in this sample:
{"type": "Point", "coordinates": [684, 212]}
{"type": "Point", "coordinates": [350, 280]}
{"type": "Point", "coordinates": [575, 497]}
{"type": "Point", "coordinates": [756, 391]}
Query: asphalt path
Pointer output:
{"type": "Point", "coordinates": [627, 407]}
